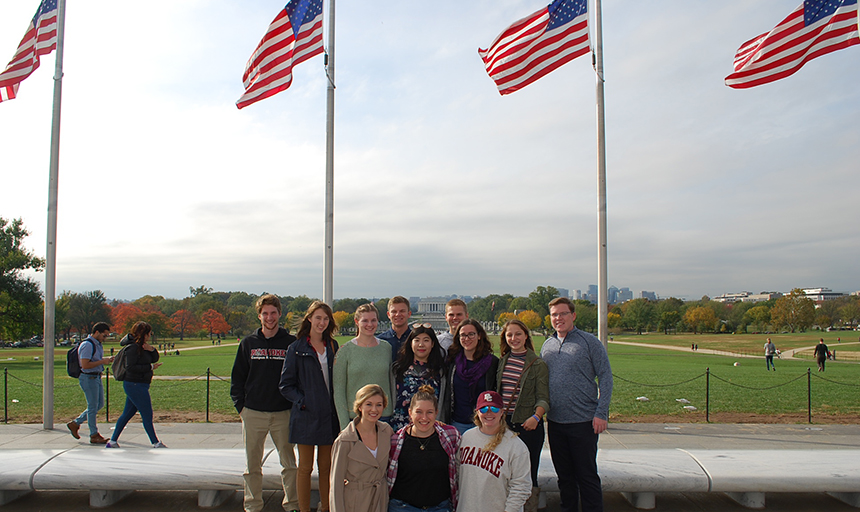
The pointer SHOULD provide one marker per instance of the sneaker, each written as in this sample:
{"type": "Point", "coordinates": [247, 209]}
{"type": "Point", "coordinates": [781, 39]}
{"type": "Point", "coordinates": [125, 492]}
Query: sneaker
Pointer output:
{"type": "Point", "coordinates": [97, 439]}
{"type": "Point", "coordinates": [112, 444]}
{"type": "Point", "coordinates": [73, 428]}
{"type": "Point", "coordinates": [159, 445]}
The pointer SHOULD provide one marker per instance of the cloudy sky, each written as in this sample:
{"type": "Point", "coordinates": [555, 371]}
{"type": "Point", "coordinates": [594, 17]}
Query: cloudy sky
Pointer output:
{"type": "Point", "coordinates": [441, 185]}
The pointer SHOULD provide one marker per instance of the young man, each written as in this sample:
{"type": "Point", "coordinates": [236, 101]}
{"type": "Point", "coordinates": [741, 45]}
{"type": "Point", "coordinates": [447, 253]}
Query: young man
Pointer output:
{"type": "Point", "coordinates": [455, 313]}
{"type": "Point", "coordinates": [580, 407]}
{"type": "Point", "coordinates": [264, 411]}
{"type": "Point", "coordinates": [399, 312]}
{"type": "Point", "coordinates": [91, 354]}
{"type": "Point", "coordinates": [769, 351]}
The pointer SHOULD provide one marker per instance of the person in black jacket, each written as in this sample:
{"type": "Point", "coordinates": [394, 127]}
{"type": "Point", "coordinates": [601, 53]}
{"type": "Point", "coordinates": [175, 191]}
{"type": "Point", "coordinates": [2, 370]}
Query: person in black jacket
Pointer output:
{"type": "Point", "coordinates": [140, 362]}
{"type": "Point", "coordinates": [264, 411]}
{"type": "Point", "coordinates": [472, 369]}
{"type": "Point", "coordinates": [306, 382]}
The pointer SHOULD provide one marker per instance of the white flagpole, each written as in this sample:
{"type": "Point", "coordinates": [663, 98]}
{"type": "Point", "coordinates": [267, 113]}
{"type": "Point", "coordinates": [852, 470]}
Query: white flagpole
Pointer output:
{"type": "Point", "coordinates": [603, 281]}
{"type": "Point", "coordinates": [328, 266]}
{"type": "Point", "coordinates": [51, 256]}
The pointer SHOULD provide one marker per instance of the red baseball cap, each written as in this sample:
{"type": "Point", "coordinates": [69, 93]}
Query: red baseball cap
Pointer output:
{"type": "Point", "coordinates": [489, 398]}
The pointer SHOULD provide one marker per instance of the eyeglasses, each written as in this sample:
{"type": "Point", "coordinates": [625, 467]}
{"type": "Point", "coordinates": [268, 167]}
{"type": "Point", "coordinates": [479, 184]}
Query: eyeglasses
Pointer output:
{"type": "Point", "coordinates": [468, 335]}
{"type": "Point", "coordinates": [493, 408]}
{"type": "Point", "coordinates": [425, 325]}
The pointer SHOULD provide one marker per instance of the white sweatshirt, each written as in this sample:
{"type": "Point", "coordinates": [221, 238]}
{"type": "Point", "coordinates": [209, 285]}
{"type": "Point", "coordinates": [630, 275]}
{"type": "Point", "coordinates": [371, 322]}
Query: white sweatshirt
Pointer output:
{"type": "Point", "coordinates": [496, 481]}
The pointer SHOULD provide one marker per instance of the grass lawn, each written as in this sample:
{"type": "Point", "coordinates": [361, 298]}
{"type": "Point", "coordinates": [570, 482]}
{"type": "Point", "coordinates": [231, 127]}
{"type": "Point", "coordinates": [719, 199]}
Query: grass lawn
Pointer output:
{"type": "Point", "coordinates": [658, 374]}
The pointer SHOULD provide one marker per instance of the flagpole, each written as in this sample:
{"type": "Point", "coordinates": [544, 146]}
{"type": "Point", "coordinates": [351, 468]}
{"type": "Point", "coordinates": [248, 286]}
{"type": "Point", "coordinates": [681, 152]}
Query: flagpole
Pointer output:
{"type": "Point", "coordinates": [51, 256]}
{"type": "Point", "coordinates": [328, 266]}
{"type": "Point", "coordinates": [603, 281]}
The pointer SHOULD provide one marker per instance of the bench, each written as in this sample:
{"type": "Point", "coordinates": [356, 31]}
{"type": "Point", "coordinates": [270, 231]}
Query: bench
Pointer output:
{"type": "Point", "coordinates": [744, 475]}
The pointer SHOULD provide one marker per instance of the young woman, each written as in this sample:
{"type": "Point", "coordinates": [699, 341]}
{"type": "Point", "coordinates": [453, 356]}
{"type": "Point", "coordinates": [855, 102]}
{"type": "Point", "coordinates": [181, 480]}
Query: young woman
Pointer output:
{"type": "Point", "coordinates": [419, 362]}
{"type": "Point", "coordinates": [362, 360]}
{"type": "Point", "coordinates": [141, 361]}
{"type": "Point", "coordinates": [473, 369]}
{"type": "Point", "coordinates": [422, 466]}
{"type": "Point", "coordinates": [306, 381]}
{"type": "Point", "coordinates": [360, 456]}
{"type": "Point", "coordinates": [523, 382]}
{"type": "Point", "coordinates": [494, 463]}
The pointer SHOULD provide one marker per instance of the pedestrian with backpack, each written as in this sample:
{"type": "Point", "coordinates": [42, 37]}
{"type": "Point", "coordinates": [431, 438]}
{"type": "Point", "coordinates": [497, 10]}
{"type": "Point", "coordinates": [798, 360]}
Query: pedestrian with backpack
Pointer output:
{"type": "Point", "coordinates": [91, 361]}
{"type": "Point", "coordinates": [141, 361]}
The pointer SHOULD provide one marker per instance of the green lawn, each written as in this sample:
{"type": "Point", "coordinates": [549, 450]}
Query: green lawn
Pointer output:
{"type": "Point", "coordinates": [661, 375]}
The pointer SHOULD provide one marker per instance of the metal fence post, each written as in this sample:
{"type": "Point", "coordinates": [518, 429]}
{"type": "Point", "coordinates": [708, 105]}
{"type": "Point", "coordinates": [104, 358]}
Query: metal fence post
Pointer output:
{"type": "Point", "coordinates": [5, 394]}
{"type": "Point", "coordinates": [207, 394]}
{"type": "Point", "coordinates": [809, 393]}
{"type": "Point", "coordinates": [107, 395]}
{"type": "Point", "coordinates": [708, 394]}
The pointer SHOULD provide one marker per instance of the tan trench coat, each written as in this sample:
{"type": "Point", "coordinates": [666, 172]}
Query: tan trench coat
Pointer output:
{"type": "Point", "coordinates": [357, 478]}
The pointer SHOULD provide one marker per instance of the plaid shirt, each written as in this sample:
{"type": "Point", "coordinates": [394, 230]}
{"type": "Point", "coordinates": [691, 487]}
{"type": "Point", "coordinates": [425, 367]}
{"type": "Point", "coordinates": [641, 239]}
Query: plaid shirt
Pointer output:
{"type": "Point", "coordinates": [449, 438]}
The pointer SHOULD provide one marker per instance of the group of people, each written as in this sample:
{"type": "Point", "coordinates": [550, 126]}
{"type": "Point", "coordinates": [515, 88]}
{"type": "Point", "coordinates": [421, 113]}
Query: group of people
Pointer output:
{"type": "Point", "coordinates": [140, 363]}
{"type": "Point", "coordinates": [406, 420]}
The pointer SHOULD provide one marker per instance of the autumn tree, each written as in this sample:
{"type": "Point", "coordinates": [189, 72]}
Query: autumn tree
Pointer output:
{"type": "Point", "coordinates": [530, 318]}
{"type": "Point", "coordinates": [506, 317]}
{"type": "Point", "coordinates": [794, 311]}
{"type": "Point", "coordinates": [758, 317]}
{"type": "Point", "coordinates": [214, 323]}
{"type": "Point", "coordinates": [182, 321]}
{"type": "Point", "coordinates": [700, 318]}
{"type": "Point", "coordinates": [124, 315]}
{"type": "Point", "coordinates": [613, 320]}
{"type": "Point", "coordinates": [342, 319]}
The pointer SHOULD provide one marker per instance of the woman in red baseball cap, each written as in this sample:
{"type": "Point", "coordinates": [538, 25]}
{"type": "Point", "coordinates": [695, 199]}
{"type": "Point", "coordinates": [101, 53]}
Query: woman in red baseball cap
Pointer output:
{"type": "Point", "coordinates": [495, 472]}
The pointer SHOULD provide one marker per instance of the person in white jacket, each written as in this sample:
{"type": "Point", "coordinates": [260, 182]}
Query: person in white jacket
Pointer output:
{"type": "Point", "coordinates": [494, 463]}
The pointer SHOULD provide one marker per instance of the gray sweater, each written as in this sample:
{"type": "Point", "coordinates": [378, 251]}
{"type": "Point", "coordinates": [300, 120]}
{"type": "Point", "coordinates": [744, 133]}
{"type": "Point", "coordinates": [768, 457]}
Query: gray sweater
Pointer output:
{"type": "Point", "coordinates": [574, 363]}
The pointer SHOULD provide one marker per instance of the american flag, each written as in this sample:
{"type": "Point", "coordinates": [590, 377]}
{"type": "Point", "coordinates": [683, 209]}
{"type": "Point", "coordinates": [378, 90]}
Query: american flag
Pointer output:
{"type": "Point", "coordinates": [815, 28]}
{"type": "Point", "coordinates": [538, 44]}
{"type": "Point", "coordinates": [293, 37]}
{"type": "Point", "coordinates": [40, 39]}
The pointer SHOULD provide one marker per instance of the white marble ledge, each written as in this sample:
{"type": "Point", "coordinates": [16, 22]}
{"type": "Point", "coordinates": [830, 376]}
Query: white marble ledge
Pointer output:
{"type": "Point", "coordinates": [18, 466]}
{"type": "Point", "coordinates": [781, 470]}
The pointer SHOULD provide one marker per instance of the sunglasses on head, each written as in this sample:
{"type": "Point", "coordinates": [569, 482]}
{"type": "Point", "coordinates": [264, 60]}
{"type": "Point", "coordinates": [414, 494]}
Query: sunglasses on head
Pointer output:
{"type": "Point", "coordinates": [493, 408]}
{"type": "Point", "coordinates": [425, 324]}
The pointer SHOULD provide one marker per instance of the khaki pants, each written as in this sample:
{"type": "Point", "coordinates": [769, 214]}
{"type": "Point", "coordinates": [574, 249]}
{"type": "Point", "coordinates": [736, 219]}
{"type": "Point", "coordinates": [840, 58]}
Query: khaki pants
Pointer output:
{"type": "Point", "coordinates": [255, 426]}
{"type": "Point", "coordinates": [306, 467]}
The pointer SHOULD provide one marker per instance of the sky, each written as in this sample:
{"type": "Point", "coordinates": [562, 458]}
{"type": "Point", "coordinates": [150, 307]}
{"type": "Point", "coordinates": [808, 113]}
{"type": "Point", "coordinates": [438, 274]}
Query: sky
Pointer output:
{"type": "Point", "coordinates": [442, 186]}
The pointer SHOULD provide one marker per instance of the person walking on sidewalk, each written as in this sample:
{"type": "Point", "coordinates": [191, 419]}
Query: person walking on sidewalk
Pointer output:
{"type": "Point", "coordinates": [140, 363]}
{"type": "Point", "coordinates": [820, 354]}
{"type": "Point", "coordinates": [91, 354]}
{"type": "Point", "coordinates": [769, 352]}
{"type": "Point", "coordinates": [264, 411]}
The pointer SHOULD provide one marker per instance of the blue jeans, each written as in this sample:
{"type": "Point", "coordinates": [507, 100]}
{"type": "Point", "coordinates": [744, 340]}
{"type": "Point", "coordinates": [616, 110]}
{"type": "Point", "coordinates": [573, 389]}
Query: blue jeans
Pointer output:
{"type": "Point", "coordinates": [402, 506]}
{"type": "Point", "coordinates": [95, 393]}
{"type": "Point", "coordinates": [137, 399]}
{"type": "Point", "coordinates": [462, 427]}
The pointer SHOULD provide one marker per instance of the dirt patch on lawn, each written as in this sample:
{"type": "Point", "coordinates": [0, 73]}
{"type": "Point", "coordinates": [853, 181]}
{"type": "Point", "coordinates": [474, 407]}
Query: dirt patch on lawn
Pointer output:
{"type": "Point", "coordinates": [738, 417]}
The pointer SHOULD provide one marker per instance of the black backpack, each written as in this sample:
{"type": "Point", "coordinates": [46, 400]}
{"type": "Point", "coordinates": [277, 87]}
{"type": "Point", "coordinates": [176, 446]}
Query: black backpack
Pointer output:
{"type": "Point", "coordinates": [120, 366]}
{"type": "Point", "coordinates": [73, 361]}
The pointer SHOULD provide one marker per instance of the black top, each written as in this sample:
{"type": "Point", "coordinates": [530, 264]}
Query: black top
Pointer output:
{"type": "Point", "coordinates": [257, 372]}
{"type": "Point", "coordinates": [138, 364]}
{"type": "Point", "coordinates": [422, 475]}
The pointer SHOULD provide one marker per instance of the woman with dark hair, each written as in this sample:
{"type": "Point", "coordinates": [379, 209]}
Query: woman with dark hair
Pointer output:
{"type": "Point", "coordinates": [523, 382]}
{"type": "Point", "coordinates": [140, 362]}
{"type": "Point", "coordinates": [422, 465]}
{"type": "Point", "coordinates": [472, 369]}
{"type": "Point", "coordinates": [419, 362]}
{"type": "Point", "coordinates": [507, 486]}
{"type": "Point", "coordinates": [359, 456]}
{"type": "Point", "coordinates": [306, 380]}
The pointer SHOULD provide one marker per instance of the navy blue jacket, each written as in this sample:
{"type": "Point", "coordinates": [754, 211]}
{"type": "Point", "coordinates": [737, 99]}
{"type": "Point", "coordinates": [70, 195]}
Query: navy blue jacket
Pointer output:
{"type": "Point", "coordinates": [313, 418]}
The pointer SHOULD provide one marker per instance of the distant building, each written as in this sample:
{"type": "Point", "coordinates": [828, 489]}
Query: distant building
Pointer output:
{"type": "Point", "coordinates": [762, 297]}
{"type": "Point", "coordinates": [624, 294]}
{"type": "Point", "coordinates": [648, 295]}
{"type": "Point", "coordinates": [731, 297]}
{"type": "Point", "coordinates": [577, 294]}
{"type": "Point", "coordinates": [822, 294]}
{"type": "Point", "coordinates": [612, 295]}
{"type": "Point", "coordinates": [432, 311]}
{"type": "Point", "coordinates": [563, 292]}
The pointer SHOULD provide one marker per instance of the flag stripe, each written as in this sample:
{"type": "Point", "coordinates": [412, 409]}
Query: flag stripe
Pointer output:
{"type": "Point", "coordinates": [791, 44]}
{"type": "Point", "coordinates": [269, 70]}
{"type": "Point", "coordinates": [528, 50]}
{"type": "Point", "coordinates": [40, 39]}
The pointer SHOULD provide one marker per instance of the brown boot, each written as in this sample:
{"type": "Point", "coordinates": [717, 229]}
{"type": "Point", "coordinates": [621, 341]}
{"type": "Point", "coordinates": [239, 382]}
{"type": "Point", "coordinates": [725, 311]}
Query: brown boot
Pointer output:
{"type": "Point", "coordinates": [532, 503]}
{"type": "Point", "coordinates": [97, 439]}
{"type": "Point", "coordinates": [73, 428]}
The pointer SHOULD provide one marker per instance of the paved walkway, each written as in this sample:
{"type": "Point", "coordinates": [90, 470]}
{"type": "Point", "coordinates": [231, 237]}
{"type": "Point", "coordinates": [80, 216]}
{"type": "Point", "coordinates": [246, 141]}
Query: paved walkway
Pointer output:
{"type": "Point", "coordinates": [619, 436]}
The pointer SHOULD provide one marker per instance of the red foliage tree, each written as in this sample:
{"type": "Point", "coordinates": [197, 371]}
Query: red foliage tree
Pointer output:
{"type": "Point", "coordinates": [124, 316]}
{"type": "Point", "coordinates": [184, 320]}
{"type": "Point", "coordinates": [214, 322]}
